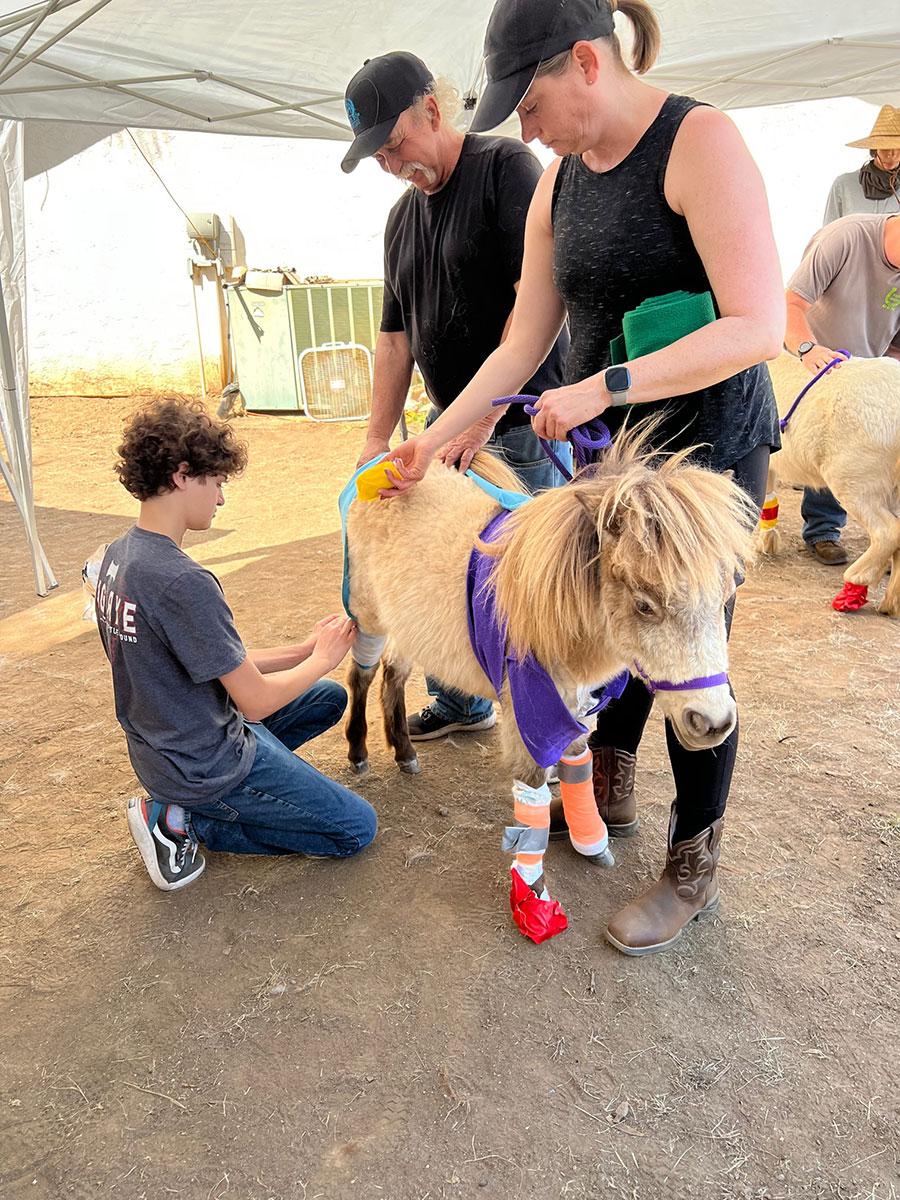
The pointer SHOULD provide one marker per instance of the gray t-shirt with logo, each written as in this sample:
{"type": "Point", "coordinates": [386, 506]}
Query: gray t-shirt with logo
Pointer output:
{"type": "Point", "coordinates": [169, 635]}
{"type": "Point", "coordinates": [853, 289]}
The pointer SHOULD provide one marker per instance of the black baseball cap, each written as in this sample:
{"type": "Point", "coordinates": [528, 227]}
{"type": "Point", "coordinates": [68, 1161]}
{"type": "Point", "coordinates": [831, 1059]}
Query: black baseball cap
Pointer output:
{"type": "Point", "coordinates": [378, 93]}
{"type": "Point", "coordinates": [522, 34]}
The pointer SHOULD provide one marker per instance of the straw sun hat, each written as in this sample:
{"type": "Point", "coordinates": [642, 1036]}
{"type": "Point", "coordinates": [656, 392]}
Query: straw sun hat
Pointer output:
{"type": "Point", "coordinates": [885, 133]}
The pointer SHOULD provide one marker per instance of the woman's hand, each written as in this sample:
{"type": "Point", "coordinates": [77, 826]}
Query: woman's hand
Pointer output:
{"type": "Point", "coordinates": [460, 451]}
{"type": "Point", "coordinates": [563, 408]}
{"type": "Point", "coordinates": [409, 462]}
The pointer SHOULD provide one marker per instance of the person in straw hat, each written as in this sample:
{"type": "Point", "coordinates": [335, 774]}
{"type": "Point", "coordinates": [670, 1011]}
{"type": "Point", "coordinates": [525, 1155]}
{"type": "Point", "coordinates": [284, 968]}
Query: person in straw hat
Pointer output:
{"type": "Point", "coordinates": [875, 187]}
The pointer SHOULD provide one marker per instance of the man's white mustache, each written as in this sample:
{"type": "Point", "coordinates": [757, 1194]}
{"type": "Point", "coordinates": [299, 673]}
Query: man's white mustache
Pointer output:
{"type": "Point", "coordinates": [406, 172]}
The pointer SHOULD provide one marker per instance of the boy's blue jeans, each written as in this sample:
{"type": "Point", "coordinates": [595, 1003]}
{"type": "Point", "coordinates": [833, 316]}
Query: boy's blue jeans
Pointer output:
{"type": "Point", "coordinates": [285, 806]}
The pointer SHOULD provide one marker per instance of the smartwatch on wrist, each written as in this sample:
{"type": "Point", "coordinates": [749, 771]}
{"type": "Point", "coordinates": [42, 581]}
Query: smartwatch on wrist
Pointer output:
{"type": "Point", "coordinates": [617, 381]}
{"type": "Point", "coordinates": [804, 348]}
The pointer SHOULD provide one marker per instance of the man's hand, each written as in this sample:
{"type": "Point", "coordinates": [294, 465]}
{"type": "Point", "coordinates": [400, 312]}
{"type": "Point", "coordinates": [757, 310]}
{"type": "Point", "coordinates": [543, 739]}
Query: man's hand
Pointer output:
{"type": "Point", "coordinates": [563, 408]}
{"type": "Point", "coordinates": [460, 451]}
{"type": "Point", "coordinates": [374, 446]}
{"type": "Point", "coordinates": [819, 357]}
{"type": "Point", "coordinates": [335, 638]}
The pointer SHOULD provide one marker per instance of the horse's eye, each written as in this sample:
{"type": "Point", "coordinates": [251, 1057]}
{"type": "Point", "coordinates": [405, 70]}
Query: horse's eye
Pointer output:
{"type": "Point", "coordinates": [643, 607]}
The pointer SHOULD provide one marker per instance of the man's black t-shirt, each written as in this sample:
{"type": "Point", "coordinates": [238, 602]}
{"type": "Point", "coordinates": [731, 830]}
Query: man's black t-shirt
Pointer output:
{"type": "Point", "coordinates": [451, 261]}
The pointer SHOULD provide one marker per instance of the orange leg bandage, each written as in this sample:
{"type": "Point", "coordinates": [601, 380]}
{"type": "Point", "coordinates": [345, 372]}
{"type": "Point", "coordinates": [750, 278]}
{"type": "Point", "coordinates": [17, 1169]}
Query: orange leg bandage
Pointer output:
{"type": "Point", "coordinates": [587, 830]}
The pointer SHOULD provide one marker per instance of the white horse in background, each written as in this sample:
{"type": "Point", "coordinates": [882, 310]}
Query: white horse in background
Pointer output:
{"type": "Point", "coordinates": [845, 435]}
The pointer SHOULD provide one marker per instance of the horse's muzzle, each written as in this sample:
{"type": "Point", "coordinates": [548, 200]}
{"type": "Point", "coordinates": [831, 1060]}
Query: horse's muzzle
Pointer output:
{"type": "Point", "coordinates": [698, 729]}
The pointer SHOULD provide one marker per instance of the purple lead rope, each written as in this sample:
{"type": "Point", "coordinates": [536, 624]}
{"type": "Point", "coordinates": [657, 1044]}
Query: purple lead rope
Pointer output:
{"type": "Point", "coordinates": [842, 356]}
{"type": "Point", "coordinates": [585, 439]}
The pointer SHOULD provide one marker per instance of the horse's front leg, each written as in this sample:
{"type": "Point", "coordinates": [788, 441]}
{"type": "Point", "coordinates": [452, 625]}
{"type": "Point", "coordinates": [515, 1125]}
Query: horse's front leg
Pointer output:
{"type": "Point", "coordinates": [359, 680]}
{"type": "Point", "coordinates": [538, 917]}
{"type": "Point", "coordinates": [768, 537]}
{"type": "Point", "coordinates": [587, 829]}
{"type": "Point", "coordinates": [393, 707]}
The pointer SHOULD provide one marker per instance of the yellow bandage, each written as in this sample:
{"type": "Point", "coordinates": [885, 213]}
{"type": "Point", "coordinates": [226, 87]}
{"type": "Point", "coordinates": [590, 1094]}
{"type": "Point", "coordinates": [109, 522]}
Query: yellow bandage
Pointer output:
{"type": "Point", "coordinates": [378, 476]}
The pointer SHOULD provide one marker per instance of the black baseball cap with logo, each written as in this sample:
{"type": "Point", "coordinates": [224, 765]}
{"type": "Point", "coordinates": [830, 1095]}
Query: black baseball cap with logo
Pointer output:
{"type": "Point", "coordinates": [378, 93]}
{"type": "Point", "coordinates": [522, 34]}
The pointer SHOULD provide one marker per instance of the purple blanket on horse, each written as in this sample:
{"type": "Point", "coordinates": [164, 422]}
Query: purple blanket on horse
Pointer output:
{"type": "Point", "coordinates": [545, 723]}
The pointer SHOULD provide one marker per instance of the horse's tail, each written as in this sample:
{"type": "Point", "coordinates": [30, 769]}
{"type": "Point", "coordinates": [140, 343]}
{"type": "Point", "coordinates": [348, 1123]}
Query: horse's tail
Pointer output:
{"type": "Point", "coordinates": [492, 468]}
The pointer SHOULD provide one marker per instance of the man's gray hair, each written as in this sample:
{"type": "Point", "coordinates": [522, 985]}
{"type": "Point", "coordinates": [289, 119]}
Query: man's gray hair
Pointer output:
{"type": "Point", "coordinates": [447, 96]}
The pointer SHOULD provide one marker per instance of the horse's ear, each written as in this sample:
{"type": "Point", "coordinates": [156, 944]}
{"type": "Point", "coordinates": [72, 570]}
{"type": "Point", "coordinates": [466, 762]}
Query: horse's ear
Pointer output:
{"type": "Point", "coordinates": [604, 520]}
{"type": "Point", "coordinates": [589, 522]}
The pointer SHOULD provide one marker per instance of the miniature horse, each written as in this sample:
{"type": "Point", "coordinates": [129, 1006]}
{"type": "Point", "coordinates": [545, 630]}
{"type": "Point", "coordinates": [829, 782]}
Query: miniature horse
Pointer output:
{"type": "Point", "coordinates": [628, 566]}
{"type": "Point", "coordinates": [845, 435]}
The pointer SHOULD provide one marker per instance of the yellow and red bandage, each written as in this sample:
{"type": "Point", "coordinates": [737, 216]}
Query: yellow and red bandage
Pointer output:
{"type": "Point", "coordinates": [768, 518]}
{"type": "Point", "coordinates": [587, 829]}
{"type": "Point", "coordinates": [538, 917]}
{"type": "Point", "coordinates": [379, 475]}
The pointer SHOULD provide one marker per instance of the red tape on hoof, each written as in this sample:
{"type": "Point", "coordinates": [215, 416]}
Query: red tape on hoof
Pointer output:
{"type": "Point", "coordinates": [538, 919]}
{"type": "Point", "coordinates": [851, 597]}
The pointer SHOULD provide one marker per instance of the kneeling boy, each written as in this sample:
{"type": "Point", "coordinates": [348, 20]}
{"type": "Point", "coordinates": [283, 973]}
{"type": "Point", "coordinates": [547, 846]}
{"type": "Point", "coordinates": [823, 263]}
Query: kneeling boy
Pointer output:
{"type": "Point", "coordinates": [211, 726]}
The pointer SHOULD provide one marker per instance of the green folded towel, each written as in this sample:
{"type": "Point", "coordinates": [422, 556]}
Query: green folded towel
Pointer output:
{"type": "Point", "coordinates": [659, 321]}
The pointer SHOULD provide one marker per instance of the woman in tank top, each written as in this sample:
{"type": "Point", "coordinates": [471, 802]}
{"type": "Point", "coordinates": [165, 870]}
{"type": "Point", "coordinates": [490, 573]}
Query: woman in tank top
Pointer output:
{"type": "Point", "coordinates": [651, 193]}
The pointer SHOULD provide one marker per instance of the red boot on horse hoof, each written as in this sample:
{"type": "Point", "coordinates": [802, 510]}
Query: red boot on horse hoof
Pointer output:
{"type": "Point", "coordinates": [538, 919]}
{"type": "Point", "coordinates": [851, 597]}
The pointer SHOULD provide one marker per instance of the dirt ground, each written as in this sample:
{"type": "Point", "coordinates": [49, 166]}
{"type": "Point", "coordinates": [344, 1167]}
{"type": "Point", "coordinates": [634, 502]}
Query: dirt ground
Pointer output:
{"type": "Point", "coordinates": [377, 1027]}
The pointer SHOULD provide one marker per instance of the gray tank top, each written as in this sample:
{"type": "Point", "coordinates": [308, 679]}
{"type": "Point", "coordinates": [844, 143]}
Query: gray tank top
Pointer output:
{"type": "Point", "coordinates": [616, 243]}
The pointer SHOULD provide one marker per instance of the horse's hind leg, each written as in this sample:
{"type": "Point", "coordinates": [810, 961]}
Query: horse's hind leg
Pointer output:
{"type": "Point", "coordinates": [393, 706]}
{"type": "Point", "coordinates": [890, 605]}
{"type": "Point", "coordinates": [883, 528]}
{"type": "Point", "coordinates": [359, 680]}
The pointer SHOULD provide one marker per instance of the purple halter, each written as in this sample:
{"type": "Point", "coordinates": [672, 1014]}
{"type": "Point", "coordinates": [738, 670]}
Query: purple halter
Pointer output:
{"type": "Point", "coordinates": [663, 685]}
{"type": "Point", "coordinates": [585, 439]}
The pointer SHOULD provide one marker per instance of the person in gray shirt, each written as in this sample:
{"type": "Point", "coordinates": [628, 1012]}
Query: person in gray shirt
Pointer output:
{"type": "Point", "coordinates": [845, 295]}
{"type": "Point", "coordinates": [210, 726]}
{"type": "Point", "coordinates": [875, 187]}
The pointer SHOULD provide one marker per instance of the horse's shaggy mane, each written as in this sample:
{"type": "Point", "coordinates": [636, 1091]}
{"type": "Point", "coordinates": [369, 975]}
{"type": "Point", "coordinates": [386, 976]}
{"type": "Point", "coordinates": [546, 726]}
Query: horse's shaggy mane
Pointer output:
{"type": "Point", "coordinates": [669, 527]}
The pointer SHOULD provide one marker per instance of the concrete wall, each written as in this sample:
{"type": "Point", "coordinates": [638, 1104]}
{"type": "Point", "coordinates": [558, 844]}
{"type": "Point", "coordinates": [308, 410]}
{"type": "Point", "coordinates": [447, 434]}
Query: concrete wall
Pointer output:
{"type": "Point", "coordinates": [110, 299]}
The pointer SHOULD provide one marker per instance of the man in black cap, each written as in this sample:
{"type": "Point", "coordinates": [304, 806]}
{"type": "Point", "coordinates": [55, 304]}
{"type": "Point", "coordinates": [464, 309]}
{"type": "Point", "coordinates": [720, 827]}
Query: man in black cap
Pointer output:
{"type": "Point", "coordinates": [452, 261]}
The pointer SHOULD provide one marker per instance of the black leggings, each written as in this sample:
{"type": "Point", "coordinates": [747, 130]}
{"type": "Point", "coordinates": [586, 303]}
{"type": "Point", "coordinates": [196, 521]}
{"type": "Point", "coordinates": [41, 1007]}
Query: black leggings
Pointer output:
{"type": "Point", "coordinates": [702, 777]}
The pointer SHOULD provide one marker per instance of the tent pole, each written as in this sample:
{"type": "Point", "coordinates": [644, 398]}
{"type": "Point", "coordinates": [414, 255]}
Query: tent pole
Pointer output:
{"type": "Point", "coordinates": [41, 16]}
{"type": "Point", "coordinates": [203, 387]}
{"type": "Point", "coordinates": [22, 493]}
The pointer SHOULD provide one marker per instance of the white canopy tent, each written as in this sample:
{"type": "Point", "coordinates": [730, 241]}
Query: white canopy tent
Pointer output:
{"type": "Point", "coordinates": [280, 67]}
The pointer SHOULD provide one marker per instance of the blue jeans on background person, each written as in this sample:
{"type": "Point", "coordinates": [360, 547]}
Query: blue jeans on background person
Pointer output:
{"type": "Point", "coordinates": [286, 806]}
{"type": "Point", "coordinates": [823, 517]}
{"type": "Point", "coordinates": [522, 451]}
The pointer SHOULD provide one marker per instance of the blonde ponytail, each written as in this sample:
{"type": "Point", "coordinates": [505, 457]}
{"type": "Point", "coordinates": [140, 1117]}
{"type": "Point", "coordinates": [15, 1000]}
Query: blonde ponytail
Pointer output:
{"type": "Point", "coordinates": [645, 46]}
{"type": "Point", "coordinates": [646, 32]}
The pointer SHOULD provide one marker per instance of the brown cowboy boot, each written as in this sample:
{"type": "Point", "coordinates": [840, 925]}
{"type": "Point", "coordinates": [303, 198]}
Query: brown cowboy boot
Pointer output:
{"type": "Point", "coordinates": [687, 889]}
{"type": "Point", "coordinates": [614, 790]}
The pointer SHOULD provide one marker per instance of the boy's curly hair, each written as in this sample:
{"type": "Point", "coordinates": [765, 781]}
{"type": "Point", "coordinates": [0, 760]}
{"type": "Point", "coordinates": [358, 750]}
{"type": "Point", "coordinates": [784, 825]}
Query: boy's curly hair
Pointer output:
{"type": "Point", "coordinates": [172, 431]}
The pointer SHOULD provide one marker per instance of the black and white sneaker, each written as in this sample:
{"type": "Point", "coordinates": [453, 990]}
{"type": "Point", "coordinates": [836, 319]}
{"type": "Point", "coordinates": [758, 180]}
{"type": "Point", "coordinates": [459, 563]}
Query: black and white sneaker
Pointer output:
{"type": "Point", "coordinates": [169, 854]}
{"type": "Point", "coordinates": [427, 724]}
